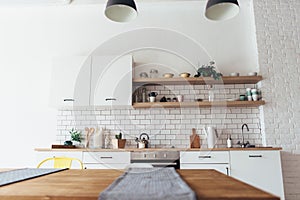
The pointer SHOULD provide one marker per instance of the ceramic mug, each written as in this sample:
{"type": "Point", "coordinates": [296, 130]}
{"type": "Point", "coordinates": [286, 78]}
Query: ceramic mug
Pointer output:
{"type": "Point", "coordinates": [242, 97]}
{"type": "Point", "coordinates": [248, 91]}
{"type": "Point", "coordinates": [255, 97]}
{"type": "Point", "coordinates": [180, 98]}
{"type": "Point", "coordinates": [253, 91]}
{"type": "Point", "coordinates": [152, 99]}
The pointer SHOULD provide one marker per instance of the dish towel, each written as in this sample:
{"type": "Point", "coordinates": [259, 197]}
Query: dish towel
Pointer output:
{"type": "Point", "coordinates": [13, 176]}
{"type": "Point", "coordinates": [148, 183]}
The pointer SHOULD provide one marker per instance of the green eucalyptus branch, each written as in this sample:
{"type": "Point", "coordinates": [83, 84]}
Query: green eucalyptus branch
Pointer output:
{"type": "Point", "coordinates": [75, 135]}
{"type": "Point", "coordinates": [208, 71]}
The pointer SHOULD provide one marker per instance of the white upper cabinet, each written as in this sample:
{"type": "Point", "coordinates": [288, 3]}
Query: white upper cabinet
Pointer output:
{"type": "Point", "coordinates": [70, 83]}
{"type": "Point", "coordinates": [111, 83]}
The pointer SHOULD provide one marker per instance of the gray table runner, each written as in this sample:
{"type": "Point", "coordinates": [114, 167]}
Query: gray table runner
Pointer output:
{"type": "Point", "coordinates": [12, 176]}
{"type": "Point", "coordinates": [148, 183]}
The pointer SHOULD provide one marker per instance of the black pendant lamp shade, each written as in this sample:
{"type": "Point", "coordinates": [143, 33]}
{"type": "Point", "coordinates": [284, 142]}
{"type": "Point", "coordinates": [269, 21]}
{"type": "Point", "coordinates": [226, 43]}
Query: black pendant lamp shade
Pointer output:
{"type": "Point", "coordinates": [121, 10]}
{"type": "Point", "coordinates": [221, 9]}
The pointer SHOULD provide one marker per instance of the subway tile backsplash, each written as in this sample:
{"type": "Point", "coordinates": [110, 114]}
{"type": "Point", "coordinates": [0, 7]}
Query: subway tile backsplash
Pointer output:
{"type": "Point", "coordinates": [168, 127]}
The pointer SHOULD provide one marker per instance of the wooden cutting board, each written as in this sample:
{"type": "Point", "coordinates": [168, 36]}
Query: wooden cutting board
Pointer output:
{"type": "Point", "coordinates": [194, 139]}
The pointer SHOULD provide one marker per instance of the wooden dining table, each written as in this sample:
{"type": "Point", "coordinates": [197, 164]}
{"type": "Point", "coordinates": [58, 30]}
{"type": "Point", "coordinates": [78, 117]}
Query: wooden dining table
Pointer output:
{"type": "Point", "coordinates": [87, 184]}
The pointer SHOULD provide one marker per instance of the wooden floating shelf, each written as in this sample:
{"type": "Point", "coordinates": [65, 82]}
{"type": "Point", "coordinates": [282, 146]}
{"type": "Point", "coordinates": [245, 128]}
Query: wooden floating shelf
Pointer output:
{"type": "Point", "coordinates": [201, 104]}
{"type": "Point", "coordinates": [198, 80]}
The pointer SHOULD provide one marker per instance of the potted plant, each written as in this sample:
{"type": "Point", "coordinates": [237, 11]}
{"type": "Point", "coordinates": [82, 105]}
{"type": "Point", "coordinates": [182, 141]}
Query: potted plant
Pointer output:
{"type": "Point", "coordinates": [208, 71]}
{"type": "Point", "coordinates": [118, 142]}
{"type": "Point", "coordinates": [75, 136]}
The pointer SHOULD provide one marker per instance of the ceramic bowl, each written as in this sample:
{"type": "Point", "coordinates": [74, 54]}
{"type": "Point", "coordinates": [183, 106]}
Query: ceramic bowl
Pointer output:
{"type": "Point", "coordinates": [143, 75]}
{"type": "Point", "coordinates": [252, 74]}
{"type": "Point", "coordinates": [234, 74]}
{"type": "Point", "coordinates": [168, 75]}
{"type": "Point", "coordinates": [184, 75]}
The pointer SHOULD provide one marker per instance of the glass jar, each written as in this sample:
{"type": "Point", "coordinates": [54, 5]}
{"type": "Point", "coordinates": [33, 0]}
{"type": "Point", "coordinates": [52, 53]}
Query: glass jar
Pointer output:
{"type": "Point", "coordinates": [153, 73]}
{"type": "Point", "coordinates": [144, 95]}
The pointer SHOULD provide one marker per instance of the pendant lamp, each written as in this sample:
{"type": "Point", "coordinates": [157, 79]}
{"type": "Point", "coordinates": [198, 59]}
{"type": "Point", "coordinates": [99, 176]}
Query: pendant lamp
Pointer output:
{"type": "Point", "coordinates": [219, 10]}
{"type": "Point", "coordinates": [121, 10]}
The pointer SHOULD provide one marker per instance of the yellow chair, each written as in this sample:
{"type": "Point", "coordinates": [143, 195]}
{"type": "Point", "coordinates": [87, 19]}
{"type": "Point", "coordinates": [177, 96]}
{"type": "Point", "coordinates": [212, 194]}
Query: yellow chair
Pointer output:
{"type": "Point", "coordinates": [61, 162]}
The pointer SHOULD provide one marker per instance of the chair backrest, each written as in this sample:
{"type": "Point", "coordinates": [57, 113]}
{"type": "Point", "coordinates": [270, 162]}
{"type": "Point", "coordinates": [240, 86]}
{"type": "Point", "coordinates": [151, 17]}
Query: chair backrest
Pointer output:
{"type": "Point", "coordinates": [61, 162]}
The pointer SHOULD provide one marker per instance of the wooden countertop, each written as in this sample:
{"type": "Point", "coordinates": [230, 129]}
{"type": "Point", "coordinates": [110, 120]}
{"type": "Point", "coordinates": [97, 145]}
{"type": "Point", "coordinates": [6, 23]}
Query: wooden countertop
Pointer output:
{"type": "Point", "coordinates": [87, 184]}
{"type": "Point", "coordinates": [162, 149]}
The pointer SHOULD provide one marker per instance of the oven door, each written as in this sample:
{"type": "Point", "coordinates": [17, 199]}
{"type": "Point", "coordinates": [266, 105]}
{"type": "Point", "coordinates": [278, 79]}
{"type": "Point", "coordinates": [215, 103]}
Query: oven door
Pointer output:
{"type": "Point", "coordinates": [159, 163]}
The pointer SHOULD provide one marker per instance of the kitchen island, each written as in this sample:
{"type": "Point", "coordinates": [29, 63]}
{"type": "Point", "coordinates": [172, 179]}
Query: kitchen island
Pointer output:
{"type": "Point", "coordinates": [87, 184]}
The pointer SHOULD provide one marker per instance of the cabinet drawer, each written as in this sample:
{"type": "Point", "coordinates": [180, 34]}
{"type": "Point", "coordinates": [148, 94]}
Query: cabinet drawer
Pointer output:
{"type": "Point", "coordinates": [255, 155]}
{"type": "Point", "coordinates": [224, 168]}
{"type": "Point", "coordinates": [204, 157]}
{"type": "Point", "coordinates": [107, 166]}
{"type": "Point", "coordinates": [106, 157]}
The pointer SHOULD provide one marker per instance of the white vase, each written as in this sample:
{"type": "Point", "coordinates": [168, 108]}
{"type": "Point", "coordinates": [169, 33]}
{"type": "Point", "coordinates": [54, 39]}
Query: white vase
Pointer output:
{"type": "Point", "coordinates": [77, 144]}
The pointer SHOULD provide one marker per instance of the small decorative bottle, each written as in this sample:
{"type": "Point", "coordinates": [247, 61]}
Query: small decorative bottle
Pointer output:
{"type": "Point", "coordinates": [229, 142]}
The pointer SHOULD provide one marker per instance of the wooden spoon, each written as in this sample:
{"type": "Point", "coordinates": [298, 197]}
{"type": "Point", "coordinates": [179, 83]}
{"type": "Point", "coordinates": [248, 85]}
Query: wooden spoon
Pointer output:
{"type": "Point", "coordinates": [87, 137]}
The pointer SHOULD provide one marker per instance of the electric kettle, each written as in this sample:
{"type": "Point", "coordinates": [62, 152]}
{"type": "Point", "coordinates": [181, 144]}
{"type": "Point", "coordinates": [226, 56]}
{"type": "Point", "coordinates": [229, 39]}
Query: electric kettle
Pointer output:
{"type": "Point", "coordinates": [211, 136]}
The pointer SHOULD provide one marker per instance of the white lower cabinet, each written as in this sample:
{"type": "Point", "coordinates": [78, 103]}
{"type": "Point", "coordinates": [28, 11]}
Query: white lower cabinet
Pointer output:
{"type": "Point", "coordinates": [218, 160]}
{"type": "Point", "coordinates": [261, 169]}
{"type": "Point", "coordinates": [90, 160]}
{"type": "Point", "coordinates": [106, 160]}
{"type": "Point", "coordinates": [41, 155]}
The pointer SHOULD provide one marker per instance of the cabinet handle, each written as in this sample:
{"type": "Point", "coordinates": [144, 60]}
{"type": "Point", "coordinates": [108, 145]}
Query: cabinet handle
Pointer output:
{"type": "Point", "coordinates": [255, 156]}
{"type": "Point", "coordinates": [69, 100]}
{"type": "Point", "coordinates": [204, 156]}
{"type": "Point", "coordinates": [227, 171]}
{"type": "Point", "coordinates": [110, 99]}
{"type": "Point", "coordinates": [106, 157]}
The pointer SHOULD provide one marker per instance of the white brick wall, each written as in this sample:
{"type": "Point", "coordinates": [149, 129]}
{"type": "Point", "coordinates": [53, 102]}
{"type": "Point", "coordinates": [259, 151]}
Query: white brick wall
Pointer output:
{"type": "Point", "coordinates": [278, 38]}
{"type": "Point", "coordinates": [164, 129]}
{"type": "Point", "coordinates": [169, 127]}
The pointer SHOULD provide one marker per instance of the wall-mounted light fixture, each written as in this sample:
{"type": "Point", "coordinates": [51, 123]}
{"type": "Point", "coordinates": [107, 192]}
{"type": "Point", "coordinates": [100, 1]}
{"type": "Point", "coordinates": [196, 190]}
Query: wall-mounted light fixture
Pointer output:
{"type": "Point", "coordinates": [121, 10]}
{"type": "Point", "coordinates": [218, 10]}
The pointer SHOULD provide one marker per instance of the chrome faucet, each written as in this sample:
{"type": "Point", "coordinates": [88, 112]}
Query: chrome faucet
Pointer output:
{"type": "Point", "coordinates": [243, 144]}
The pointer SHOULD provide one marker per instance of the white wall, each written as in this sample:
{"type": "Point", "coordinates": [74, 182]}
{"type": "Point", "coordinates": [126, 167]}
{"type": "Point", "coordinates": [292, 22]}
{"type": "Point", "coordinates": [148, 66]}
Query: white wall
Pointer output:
{"type": "Point", "coordinates": [31, 36]}
{"type": "Point", "coordinates": [278, 37]}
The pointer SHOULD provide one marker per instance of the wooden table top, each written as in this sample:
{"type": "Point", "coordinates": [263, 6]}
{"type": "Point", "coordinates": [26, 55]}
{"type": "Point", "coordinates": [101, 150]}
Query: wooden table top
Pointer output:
{"type": "Point", "coordinates": [87, 184]}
